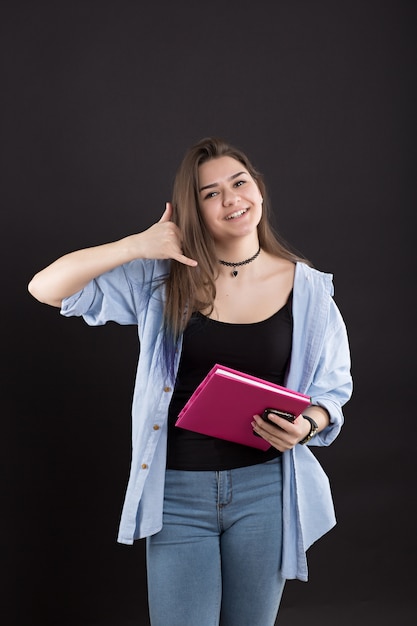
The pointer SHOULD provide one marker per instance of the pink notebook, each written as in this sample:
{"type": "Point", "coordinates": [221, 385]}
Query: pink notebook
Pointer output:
{"type": "Point", "coordinates": [224, 403]}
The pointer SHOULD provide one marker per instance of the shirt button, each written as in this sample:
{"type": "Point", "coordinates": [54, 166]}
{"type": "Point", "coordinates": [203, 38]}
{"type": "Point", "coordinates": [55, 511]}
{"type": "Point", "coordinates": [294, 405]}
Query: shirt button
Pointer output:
{"type": "Point", "coordinates": [155, 427]}
{"type": "Point", "coordinates": [144, 466]}
{"type": "Point", "coordinates": [167, 388]}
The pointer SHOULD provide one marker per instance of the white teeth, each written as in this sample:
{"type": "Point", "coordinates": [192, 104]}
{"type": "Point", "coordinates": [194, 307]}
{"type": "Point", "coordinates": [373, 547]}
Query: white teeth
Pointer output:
{"type": "Point", "coordinates": [236, 214]}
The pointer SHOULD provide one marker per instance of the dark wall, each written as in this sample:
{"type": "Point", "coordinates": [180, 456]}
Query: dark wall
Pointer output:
{"type": "Point", "coordinates": [99, 102]}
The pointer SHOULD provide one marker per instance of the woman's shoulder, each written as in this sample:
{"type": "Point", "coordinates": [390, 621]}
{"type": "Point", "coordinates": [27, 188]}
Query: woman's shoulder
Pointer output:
{"type": "Point", "coordinates": [278, 264]}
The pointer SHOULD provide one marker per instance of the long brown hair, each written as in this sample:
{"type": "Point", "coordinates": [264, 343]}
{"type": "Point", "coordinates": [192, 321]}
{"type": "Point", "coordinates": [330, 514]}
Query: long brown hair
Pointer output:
{"type": "Point", "coordinates": [190, 289]}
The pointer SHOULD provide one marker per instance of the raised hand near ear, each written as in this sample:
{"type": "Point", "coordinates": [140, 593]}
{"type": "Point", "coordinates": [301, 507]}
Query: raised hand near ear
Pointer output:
{"type": "Point", "coordinates": [163, 240]}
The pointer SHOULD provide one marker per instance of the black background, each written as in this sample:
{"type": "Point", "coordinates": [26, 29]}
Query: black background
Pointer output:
{"type": "Point", "coordinates": [99, 102]}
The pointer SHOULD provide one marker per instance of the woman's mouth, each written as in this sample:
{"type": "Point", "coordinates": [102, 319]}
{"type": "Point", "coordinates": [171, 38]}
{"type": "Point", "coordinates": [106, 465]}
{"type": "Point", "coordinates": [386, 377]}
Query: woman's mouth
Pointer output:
{"type": "Point", "coordinates": [236, 214]}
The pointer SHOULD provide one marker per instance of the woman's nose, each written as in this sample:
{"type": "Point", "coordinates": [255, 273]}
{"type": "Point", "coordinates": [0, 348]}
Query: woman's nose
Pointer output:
{"type": "Point", "coordinates": [230, 197]}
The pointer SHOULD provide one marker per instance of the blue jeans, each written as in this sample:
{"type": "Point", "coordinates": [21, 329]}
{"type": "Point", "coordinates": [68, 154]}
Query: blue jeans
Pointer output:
{"type": "Point", "coordinates": [217, 558]}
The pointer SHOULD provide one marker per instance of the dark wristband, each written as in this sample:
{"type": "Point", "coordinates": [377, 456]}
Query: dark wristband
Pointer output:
{"type": "Point", "coordinates": [314, 428]}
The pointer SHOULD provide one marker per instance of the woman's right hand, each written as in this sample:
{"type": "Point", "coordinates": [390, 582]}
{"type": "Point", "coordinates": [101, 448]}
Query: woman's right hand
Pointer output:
{"type": "Point", "coordinates": [163, 240]}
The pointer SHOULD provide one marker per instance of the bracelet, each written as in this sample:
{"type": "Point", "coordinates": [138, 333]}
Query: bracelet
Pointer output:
{"type": "Point", "coordinates": [313, 430]}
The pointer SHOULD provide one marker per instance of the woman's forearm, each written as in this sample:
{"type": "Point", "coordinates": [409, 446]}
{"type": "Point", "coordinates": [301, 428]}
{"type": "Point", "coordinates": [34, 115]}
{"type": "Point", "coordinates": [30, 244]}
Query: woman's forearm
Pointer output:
{"type": "Point", "coordinates": [73, 271]}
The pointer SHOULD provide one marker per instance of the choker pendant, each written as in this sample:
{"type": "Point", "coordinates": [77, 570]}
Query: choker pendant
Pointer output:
{"type": "Point", "coordinates": [235, 272]}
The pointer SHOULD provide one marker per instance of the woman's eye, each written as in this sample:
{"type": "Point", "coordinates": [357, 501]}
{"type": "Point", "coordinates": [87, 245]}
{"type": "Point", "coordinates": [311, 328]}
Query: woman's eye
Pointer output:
{"type": "Point", "coordinates": [211, 194]}
{"type": "Point", "coordinates": [239, 183]}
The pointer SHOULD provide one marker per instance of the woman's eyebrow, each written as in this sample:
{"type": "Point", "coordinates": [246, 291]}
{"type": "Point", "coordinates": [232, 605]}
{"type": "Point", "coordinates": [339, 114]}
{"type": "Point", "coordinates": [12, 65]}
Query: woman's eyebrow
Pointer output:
{"type": "Point", "coordinates": [217, 184]}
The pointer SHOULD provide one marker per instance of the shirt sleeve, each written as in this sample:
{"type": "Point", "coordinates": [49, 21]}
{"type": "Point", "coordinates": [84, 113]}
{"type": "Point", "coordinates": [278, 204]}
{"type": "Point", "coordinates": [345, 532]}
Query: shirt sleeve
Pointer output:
{"type": "Point", "coordinates": [331, 387]}
{"type": "Point", "coordinates": [117, 295]}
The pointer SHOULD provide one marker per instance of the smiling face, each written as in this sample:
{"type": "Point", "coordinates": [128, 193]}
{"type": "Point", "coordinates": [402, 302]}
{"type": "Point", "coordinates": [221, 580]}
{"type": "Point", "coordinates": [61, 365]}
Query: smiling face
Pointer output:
{"type": "Point", "coordinates": [229, 198]}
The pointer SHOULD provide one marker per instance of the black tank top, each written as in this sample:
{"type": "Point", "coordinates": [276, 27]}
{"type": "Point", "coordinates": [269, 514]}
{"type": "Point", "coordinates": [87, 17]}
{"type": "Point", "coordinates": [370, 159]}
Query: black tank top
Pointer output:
{"type": "Point", "coordinates": [261, 349]}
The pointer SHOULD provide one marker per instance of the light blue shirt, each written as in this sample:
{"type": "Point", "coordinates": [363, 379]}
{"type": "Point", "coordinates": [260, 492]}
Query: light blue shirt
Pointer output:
{"type": "Point", "coordinates": [319, 367]}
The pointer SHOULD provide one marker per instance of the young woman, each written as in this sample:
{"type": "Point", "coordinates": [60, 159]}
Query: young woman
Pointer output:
{"type": "Point", "coordinates": [226, 524]}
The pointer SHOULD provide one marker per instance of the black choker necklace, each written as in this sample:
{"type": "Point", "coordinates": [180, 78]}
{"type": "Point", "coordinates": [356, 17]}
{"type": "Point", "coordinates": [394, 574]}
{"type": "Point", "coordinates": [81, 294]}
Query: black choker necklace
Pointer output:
{"type": "Point", "coordinates": [234, 265]}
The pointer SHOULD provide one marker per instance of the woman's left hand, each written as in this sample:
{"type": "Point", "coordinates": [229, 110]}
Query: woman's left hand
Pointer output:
{"type": "Point", "coordinates": [285, 435]}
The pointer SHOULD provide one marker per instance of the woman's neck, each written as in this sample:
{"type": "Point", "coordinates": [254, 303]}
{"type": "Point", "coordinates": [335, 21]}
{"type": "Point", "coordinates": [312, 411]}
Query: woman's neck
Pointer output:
{"type": "Point", "coordinates": [237, 251]}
